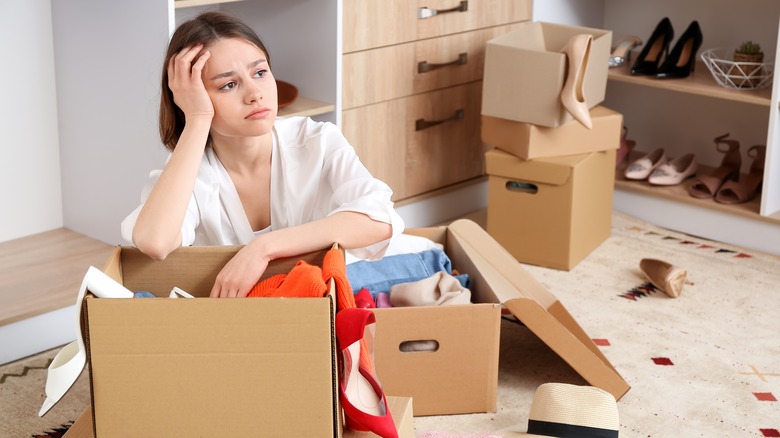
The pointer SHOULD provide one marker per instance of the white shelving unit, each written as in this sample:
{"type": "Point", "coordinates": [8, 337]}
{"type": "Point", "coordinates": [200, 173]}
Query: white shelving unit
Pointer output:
{"type": "Point", "coordinates": [685, 115]}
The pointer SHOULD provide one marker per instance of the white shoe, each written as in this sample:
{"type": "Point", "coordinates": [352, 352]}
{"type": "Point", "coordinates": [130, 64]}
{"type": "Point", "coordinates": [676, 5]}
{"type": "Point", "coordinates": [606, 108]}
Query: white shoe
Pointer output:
{"type": "Point", "coordinates": [675, 171]}
{"type": "Point", "coordinates": [69, 362]}
{"type": "Point", "coordinates": [644, 166]}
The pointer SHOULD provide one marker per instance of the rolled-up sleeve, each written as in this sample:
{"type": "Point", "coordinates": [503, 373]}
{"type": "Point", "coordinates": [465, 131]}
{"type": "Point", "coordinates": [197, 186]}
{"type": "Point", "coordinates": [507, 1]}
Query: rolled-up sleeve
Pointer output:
{"type": "Point", "coordinates": [356, 190]}
{"type": "Point", "coordinates": [191, 217]}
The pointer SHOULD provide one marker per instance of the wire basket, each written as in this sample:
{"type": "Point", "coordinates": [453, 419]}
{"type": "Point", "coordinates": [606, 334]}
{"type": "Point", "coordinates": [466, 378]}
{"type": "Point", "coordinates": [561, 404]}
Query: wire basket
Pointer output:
{"type": "Point", "coordinates": [739, 75]}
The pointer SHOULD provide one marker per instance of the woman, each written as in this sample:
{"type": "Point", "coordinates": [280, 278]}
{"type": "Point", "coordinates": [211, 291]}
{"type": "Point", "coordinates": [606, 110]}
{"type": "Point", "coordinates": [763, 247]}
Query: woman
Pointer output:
{"type": "Point", "coordinates": [237, 175]}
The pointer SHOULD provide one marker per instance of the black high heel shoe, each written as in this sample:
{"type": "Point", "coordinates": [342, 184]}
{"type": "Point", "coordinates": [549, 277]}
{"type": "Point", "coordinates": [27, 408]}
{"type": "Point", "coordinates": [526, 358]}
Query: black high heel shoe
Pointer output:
{"type": "Point", "coordinates": [658, 43]}
{"type": "Point", "coordinates": [682, 59]}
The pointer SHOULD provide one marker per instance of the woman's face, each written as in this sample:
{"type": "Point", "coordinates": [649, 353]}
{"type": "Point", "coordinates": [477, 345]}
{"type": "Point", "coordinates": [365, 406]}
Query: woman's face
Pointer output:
{"type": "Point", "coordinates": [241, 87]}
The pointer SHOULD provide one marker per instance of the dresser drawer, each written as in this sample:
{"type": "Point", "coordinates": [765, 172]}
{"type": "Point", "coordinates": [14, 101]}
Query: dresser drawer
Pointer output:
{"type": "Point", "coordinates": [375, 23]}
{"type": "Point", "coordinates": [400, 142]}
{"type": "Point", "coordinates": [391, 72]}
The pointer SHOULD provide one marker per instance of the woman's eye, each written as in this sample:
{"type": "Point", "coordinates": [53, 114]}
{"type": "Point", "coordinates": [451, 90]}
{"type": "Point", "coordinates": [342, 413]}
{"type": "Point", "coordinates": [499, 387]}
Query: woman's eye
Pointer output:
{"type": "Point", "coordinates": [260, 73]}
{"type": "Point", "coordinates": [228, 86]}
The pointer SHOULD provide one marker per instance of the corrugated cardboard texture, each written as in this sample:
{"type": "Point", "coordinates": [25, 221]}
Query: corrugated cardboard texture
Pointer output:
{"type": "Point", "coordinates": [192, 269]}
{"type": "Point", "coordinates": [529, 141]}
{"type": "Point", "coordinates": [534, 306]}
{"type": "Point", "coordinates": [199, 367]}
{"type": "Point", "coordinates": [400, 407]}
{"type": "Point", "coordinates": [563, 215]}
{"type": "Point", "coordinates": [461, 376]}
{"type": "Point", "coordinates": [525, 72]}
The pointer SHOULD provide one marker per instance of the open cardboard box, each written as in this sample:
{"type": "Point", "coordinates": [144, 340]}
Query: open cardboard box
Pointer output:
{"type": "Point", "coordinates": [525, 71]}
{"type": "Point", "coordinates": [529, 141]}
{"type": "Point", "coordinates": [550, 212]}
{"type": "Point", "coordinates": [201, 367]}
{"type": "Point", "coordinates": [496, 277]}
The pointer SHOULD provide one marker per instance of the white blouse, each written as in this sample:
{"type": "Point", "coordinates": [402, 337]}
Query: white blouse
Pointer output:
{"type": "Point", "coordinates": [315, 173]}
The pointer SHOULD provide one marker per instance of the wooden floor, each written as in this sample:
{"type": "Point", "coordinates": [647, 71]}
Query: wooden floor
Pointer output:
{"type": "Point", "coordinates": [42, 272]}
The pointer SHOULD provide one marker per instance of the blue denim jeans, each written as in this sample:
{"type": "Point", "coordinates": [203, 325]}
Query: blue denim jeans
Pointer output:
{"type": "Point", "coordinates": [378, 276]}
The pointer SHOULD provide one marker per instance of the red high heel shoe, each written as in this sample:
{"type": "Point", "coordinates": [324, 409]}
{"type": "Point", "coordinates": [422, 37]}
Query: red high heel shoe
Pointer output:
{"type": "Point", "coordinates": [364, 403]}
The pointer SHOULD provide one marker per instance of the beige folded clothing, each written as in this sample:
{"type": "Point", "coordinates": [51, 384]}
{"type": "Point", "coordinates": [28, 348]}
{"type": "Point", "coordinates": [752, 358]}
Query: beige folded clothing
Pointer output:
{"type": "Point", "coordinates": [437, 290]}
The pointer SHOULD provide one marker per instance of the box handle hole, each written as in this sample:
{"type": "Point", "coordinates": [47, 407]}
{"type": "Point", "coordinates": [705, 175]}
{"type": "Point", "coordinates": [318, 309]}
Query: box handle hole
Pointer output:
{"type": "Point", "coordinates": [419, 346]}
{"type": "Point", "coordinates": [521, 187]}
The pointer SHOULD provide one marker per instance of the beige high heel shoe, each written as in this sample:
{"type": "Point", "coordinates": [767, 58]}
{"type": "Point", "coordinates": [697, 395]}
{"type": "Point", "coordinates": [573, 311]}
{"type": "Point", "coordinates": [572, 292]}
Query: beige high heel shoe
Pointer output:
{"type": "Point", "coordinates": [577, 52]}
{"type": "Point", "coordinates": [665, 276]}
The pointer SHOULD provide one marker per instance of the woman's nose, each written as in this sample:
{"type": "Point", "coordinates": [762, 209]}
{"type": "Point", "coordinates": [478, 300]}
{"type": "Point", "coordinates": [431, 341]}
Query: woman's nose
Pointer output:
{"type": "Point", "coordinates": [253, 94]}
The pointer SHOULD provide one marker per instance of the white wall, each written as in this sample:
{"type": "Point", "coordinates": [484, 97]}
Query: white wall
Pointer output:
{"type": "Point", "coordinates": [108, 75]}
{"type": "Point", "coordinates": [30, 167]}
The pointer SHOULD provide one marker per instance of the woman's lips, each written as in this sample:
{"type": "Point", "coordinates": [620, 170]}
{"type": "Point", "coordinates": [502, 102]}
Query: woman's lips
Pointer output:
{"type": "Point", "coordinates": [258, 114]}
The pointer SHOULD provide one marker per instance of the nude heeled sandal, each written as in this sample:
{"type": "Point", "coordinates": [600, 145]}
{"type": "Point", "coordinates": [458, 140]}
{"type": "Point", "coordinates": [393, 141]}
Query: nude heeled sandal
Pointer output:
{"type": "Point", "coordinates": [668, 278]}
{"type": "Point", "coordinates": [577, 52]}
{"type": "Point", "coordinates": [706, 186]}
{"type": "Point", "coordinates": [744, 190]}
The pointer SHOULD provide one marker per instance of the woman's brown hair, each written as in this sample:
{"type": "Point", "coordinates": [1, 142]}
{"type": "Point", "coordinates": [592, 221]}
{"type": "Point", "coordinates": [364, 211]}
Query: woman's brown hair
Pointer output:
{"type": "Point", "coordinates": [205, 29]}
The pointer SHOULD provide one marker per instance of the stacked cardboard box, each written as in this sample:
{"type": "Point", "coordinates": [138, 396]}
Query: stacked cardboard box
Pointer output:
{"type": "Point", "coordinates": [551, 179]}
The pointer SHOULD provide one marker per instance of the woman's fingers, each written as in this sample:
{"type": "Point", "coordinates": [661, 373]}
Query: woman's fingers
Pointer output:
{"type": "Point", "coordinates": [186, 83]}
{"type": "Point", "coordinates": [181, 66]}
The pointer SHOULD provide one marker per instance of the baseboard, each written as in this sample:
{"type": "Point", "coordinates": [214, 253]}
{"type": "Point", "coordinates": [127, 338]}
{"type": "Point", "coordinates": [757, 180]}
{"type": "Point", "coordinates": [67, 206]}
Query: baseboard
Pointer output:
{"type": "Point", "coordinates": [38, 333]}
{"type": "Point", "coordinates": [442, 208]}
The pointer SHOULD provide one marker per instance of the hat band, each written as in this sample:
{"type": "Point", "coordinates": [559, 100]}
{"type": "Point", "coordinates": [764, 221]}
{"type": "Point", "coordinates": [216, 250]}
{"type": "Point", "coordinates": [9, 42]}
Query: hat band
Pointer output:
{"type": "Point", "coordinates": [568, 430]}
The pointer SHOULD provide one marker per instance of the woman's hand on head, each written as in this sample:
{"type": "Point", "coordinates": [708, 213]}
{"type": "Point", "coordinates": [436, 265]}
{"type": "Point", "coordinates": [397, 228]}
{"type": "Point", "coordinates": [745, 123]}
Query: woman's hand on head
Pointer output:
{"type": "Point", "coordinates": [186, 83]}
{"type": "Point", "coordinates": [241, 273]}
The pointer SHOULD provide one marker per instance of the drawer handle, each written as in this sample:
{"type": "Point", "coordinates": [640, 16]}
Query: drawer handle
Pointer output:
{"type": "Point", "coordinates": [426, 12]}
{"type": "Point", "coordinates": [421, 124]}
{"type": "Point", "coordinates": [425, 66]}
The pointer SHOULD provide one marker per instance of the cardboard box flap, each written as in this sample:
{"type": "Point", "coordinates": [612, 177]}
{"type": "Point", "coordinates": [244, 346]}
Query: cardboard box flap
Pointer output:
{"type": "Point", "coordinates": [536, 307]}
{"type": "Point", "coordinates": [556, 36]}
{"type": "Point", "coordinates": [553, 171]}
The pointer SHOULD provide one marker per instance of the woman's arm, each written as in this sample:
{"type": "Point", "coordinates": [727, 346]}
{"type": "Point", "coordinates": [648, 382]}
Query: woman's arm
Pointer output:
{"type": "Point", "coordinates": [348, 229]}
{"type": "Point", "coordinates": [157, 231]}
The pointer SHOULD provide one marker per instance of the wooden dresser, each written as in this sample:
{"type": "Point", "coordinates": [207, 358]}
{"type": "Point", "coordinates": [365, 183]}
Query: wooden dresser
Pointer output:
{"type": "Point", "coordinates": [412, 86]}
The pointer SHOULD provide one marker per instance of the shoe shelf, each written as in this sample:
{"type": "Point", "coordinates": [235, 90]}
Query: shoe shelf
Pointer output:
{"type": "Point", "coordinates": [700, 82]}
{"type": "Point", "coordinates": [306, 107]}
{"type": "Point", "coordinates": [679, 193]}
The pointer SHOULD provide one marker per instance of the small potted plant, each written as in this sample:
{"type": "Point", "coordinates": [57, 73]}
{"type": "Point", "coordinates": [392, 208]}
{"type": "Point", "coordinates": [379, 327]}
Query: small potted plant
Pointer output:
{"type": "Point", "coordinates": [750, 53]}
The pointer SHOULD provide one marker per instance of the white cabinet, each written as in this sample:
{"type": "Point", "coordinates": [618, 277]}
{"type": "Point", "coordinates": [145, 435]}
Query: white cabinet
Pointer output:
{"type": "Point", "coordinates": [685, 115]}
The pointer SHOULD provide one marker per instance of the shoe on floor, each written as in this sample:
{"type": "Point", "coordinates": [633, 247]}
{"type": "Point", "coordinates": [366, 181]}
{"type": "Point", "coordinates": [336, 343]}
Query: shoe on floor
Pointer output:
{"type": "Point", "coordinates": [665, 276]}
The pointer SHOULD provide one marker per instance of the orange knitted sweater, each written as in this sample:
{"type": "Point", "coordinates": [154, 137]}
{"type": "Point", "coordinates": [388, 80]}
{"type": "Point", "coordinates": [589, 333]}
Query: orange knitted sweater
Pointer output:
{"type": "Point", "coordinates": [305, 280]}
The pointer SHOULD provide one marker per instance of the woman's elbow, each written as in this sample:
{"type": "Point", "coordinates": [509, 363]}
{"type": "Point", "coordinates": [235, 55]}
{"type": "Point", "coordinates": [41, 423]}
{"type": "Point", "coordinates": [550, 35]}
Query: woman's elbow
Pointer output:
{"type": "Point", "coordinates": [154, 248]}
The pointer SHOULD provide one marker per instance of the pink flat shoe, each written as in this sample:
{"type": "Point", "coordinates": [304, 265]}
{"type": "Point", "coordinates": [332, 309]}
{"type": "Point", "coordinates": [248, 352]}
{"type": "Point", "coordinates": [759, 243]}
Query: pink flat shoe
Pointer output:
{"type": "Point", "coordinates": [675, 171]}
{"type": "Point", "coordinates": [644, 166]}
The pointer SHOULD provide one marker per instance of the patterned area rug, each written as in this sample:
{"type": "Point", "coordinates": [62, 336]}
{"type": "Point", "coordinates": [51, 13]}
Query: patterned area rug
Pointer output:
{"type": "Point", "coordinates": [704, 364]}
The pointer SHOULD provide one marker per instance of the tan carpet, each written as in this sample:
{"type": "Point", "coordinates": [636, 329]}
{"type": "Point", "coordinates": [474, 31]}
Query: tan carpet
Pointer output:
{"type": "Point", "coordinates": [705, 364]}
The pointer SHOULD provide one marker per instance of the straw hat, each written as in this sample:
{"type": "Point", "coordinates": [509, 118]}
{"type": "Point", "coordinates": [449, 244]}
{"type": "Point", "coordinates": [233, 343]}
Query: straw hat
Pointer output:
{"type": "Point", "coordinates": [567, 411]}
